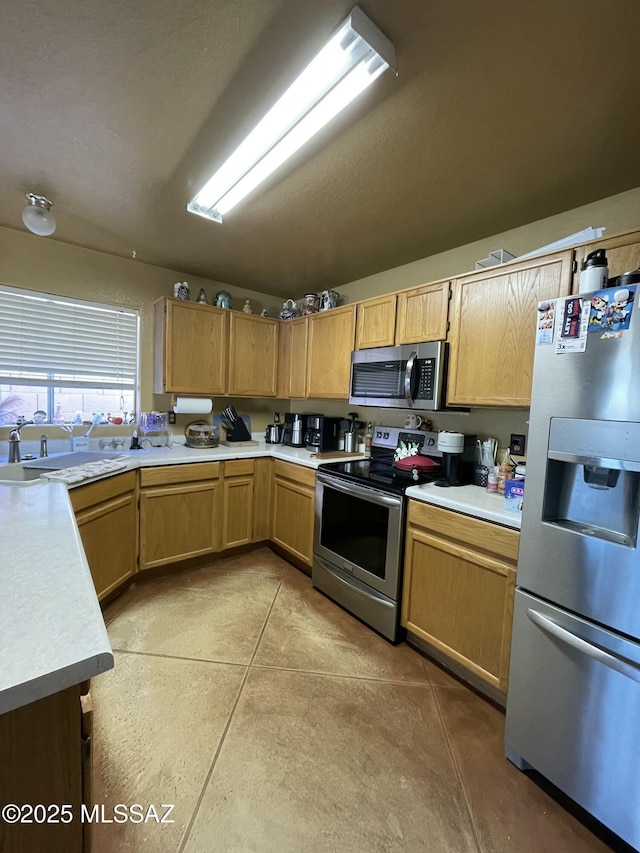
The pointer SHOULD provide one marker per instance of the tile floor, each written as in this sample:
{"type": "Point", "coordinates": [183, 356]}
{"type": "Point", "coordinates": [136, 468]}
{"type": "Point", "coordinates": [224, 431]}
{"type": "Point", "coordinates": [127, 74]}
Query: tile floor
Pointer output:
{"type": "Point", "coordinates": [275, 721]}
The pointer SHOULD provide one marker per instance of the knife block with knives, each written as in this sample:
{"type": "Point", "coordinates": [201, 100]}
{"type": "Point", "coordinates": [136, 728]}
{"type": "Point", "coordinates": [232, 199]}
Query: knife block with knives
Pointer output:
{"type": "Point", "coordinates": [236, 432]}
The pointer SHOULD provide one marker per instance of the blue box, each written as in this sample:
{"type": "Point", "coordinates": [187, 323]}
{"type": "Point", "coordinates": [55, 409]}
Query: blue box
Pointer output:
{"type": "Point", "coordinates": [514, 495]}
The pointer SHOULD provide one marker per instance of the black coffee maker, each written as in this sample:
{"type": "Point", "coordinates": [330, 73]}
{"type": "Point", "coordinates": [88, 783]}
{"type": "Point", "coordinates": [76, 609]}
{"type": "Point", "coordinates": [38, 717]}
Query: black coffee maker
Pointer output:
{"type": "Point", "coordinates": [295, 428]}
{"type": "Point", "coordinates": [458, 452]}
{"type": "Point", "coordinates": [322, 434]}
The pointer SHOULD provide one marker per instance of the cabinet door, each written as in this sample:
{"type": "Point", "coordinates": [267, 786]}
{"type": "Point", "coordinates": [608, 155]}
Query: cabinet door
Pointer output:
{"type": "Point", "coordinates": [422, 313]}
{"type": "Point", "coordinates": [237, 503]}
{"type": "Point", "coordinates": [190, 348]}
{"type": "Point", "coordinates": [292, 358]}
{"type": "Point", "coordinates": [623, 254]}
{"type": "Point", "coordinates": [331, 341]}
{"type": "Point", "coordinates": [109, 533]}
{"type": "Point", "coordinates": [293, 510]}
{"type": "Point", "coordinates": [253, 356]}
{"type": "Point", "coordinates": [376, 325]}
{"type": "Point", "coordinates": [177, 522]}
{"type": "Point", "coordinates": [262, 473]}
{"type": "Point", "coordinates": [41, 763]}
{"type": "Point", "coordinates": [461, 602]}
{"type": "Point", "coordinates": [493, 330]}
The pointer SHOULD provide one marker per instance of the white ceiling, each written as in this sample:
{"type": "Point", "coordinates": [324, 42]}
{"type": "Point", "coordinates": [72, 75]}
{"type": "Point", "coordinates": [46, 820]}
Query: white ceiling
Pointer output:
{"type": "Point", "coordinates": [502, 113]}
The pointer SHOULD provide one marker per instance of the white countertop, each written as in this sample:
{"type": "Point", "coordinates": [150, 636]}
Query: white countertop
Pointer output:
{"type": "Point", "coordinates": [52, 634]}
{"type": "Point", "coordinates": [469, 500]}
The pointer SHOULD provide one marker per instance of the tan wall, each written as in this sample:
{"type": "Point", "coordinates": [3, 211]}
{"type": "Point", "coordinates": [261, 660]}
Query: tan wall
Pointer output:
{"type": "Point", "coordinates": [47, 265]}
{"type": "Point", "coordinates": [617, 213]}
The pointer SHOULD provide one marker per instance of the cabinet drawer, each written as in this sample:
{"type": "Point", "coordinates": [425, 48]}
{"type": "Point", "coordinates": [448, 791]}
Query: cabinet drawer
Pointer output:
{"type": "Point", "coordinates": [299, 473]}
{"type": "Point", "coordinates": [84, 496]}
{"type": "Point", "coordinates": [238, 467]}
{"type": "Point", "coordinates": [189, 473]}
{"type": "Point", "coordinates": [470, 531]}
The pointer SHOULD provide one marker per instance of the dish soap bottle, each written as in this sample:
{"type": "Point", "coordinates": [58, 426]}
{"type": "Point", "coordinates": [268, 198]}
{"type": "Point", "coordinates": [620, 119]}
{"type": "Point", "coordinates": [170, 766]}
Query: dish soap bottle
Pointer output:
{"type": "Point", "coordinates": [505, 471]}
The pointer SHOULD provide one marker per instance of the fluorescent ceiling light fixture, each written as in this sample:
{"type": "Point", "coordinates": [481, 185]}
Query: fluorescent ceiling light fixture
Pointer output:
{"type": "Point", "coordinates": [356, 55]}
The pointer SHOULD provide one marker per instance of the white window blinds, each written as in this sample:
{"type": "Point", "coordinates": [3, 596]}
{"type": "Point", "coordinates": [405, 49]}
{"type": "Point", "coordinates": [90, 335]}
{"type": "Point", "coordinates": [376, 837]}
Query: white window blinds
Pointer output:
{"type": "Point", "coordinates": [53, 340]}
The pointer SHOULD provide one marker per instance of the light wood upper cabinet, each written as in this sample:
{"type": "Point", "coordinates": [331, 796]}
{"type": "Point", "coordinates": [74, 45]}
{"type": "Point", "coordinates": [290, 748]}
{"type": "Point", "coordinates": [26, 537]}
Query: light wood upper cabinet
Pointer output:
{"type": "Point", "coordinates": [623, 254]}
{"type": "Point", "coordinates": [292, 358]}
{"type": "Point", "coordinates": [376, 322]}
{"type": "Point", "coordinates": [493, 330]}
{"type": "Point", "coordinates": [253, 355]}
{"type": "Point", "coordinates": [459, 581]}
{"type": "Point", "coordinates": [107, 518]}
{"type": "Point", "coordinates": [179, 507]}
{"type": "Point", "coordinates": [190, 348]}
{"type": "Point", "coordinates": [330, 343]}
{"type": "Point", "coordinates": [422, 313]}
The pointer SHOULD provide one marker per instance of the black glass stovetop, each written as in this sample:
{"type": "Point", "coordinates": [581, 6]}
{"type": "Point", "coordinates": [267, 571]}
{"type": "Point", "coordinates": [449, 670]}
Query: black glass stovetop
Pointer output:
{"type": "Point", "coordinates": [377, 472]}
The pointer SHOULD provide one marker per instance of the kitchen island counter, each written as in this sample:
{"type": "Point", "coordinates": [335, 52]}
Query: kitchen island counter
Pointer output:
{"type": "Point", "coordinates": [52, 634]}
{"type": "Point", "coordinates": [469, 500]}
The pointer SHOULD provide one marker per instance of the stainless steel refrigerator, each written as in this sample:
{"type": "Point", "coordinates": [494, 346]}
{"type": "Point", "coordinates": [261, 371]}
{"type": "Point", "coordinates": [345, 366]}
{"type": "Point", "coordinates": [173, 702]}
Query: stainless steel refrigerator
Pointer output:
{"type": "Point", "coordinates": [573, 704]}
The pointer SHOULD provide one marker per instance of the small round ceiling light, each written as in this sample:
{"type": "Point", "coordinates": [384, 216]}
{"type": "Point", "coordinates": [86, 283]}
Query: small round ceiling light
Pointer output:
{"type": "Point", "coordinates": [37, 215]}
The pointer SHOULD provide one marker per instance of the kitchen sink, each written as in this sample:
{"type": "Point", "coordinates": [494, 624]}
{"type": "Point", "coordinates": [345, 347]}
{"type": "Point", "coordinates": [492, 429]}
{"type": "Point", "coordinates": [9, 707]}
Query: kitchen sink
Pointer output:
{"type": "Point", "coordinates": [15, 473]}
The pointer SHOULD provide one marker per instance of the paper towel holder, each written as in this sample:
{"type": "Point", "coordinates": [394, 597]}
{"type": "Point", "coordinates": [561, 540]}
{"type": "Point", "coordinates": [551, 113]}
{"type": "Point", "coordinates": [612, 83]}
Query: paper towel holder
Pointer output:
{"type": "Point", "coordinates": [191, 405]}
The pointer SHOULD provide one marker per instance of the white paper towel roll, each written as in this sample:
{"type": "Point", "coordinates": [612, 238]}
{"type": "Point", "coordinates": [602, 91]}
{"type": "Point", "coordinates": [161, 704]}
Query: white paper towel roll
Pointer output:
{"type": "Point", "coordinates": [193, 406]}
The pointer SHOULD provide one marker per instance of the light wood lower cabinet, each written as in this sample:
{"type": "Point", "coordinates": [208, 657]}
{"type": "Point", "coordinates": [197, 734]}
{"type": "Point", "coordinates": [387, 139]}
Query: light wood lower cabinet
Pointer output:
{"type": "Point", "coordinates": [262, 475]}
{"type": "Point", "coordinates": [237, 503]}
{"type": "Point", "coordinates": [293, 509]}
{"type": "Point", "coordinates": [179, 508]}
{"type": "Point", "coordinates": [107, 517]}
{"type": "Point", "coordinates": [43, 760]}
{"type": "Point", "coordinates": [459, 580]}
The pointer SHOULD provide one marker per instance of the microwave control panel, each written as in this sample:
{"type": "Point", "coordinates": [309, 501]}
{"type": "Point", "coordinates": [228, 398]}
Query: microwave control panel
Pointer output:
{"type": "Point", "coordinates": [426, 373]}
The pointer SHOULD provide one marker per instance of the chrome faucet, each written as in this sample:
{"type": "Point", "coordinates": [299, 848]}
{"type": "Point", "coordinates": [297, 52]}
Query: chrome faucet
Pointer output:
{"type": "Point", "coordinates": [14, 442]}
{"type": "Point", "coordinates": [43, 446]}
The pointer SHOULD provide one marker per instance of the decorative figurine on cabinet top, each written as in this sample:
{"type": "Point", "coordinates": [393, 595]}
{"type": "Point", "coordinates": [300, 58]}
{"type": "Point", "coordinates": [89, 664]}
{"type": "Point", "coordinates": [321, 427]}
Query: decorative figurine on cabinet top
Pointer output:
{"type": "Point", "coordinates": [202, 297]}
{"type": "Point", "coordinates": [181, 290]}
{"type": "Point", "coordinates": [222, 299]}
{"type": "Point", "coordinates": [264, 313]}
{"type": "Point", "coordinates": [329, 299]}
{"type": "Point", "coordinates": [246, 308]}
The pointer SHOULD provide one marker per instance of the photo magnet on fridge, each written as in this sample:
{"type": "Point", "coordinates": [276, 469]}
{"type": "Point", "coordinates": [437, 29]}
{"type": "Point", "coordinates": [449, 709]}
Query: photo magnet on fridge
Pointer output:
{"type": "Point", "coordinates": [611, 311]}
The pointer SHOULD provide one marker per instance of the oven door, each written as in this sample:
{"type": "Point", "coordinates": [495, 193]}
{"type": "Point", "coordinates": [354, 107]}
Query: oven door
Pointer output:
{"type": "Point", "coordinates": [359, 529]}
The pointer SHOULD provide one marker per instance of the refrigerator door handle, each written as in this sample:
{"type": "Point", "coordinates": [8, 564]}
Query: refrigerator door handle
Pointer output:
{"type": "Point", "coordinates": [595, 652]}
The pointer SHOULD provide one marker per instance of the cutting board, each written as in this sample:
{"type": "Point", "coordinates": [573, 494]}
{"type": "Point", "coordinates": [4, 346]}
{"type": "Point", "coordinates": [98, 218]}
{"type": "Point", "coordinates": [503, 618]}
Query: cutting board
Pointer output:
{"type": "Point", "coordinates": [334, 454]}
{"type": "Point", "coordinates": [238, 443]}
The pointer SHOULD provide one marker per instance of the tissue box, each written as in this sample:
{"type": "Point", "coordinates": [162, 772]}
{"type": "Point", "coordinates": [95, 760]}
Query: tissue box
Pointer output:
{"type": "Point", "coordinates": [514, 495]}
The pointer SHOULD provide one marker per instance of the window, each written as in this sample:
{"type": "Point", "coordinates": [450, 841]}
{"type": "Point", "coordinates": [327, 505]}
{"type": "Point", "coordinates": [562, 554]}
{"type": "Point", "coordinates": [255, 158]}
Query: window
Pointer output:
{"type": "Point", "coordinates": [67, 358]}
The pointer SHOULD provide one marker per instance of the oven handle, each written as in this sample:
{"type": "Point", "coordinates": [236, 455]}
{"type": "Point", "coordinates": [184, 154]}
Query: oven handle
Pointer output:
{"type": "Point", "coordinates": [407, 378]}
{"type": "Point", "coordinates": [350, 488]}
{"type": "Point", "coordinates": [370, 595]}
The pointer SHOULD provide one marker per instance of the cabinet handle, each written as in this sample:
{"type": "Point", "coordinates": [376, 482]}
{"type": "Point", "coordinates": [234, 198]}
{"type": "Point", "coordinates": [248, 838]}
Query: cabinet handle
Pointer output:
{"type": "Point", "coordinates": [595, 652]}
{"type": "Point", "coordinates": [407, 378]}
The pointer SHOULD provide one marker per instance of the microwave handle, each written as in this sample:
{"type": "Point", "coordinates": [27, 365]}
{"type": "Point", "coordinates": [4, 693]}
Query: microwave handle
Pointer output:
{"type": "Point", "coordinates": [407, 378]}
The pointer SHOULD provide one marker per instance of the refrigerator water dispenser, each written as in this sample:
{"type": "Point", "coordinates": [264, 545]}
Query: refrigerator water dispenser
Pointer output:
{"type": "Point", "coordinates": [592, 484]}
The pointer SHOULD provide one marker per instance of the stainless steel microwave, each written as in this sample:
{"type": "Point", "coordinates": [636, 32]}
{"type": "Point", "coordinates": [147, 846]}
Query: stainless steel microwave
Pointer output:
{"type": "Point", "coordinates": [405, 377]}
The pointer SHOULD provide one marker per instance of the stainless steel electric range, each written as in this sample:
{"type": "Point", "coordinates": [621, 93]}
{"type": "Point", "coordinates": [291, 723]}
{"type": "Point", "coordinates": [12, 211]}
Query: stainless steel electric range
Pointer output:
{"type": "Point", "coordinates": [359, 527]}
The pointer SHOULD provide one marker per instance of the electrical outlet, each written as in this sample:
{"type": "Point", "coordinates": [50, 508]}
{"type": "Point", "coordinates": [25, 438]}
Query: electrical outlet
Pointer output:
{"type": "Point", "coordinates": [517, 444]}
{"type": "Point", "coordinates": [172, 417]}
